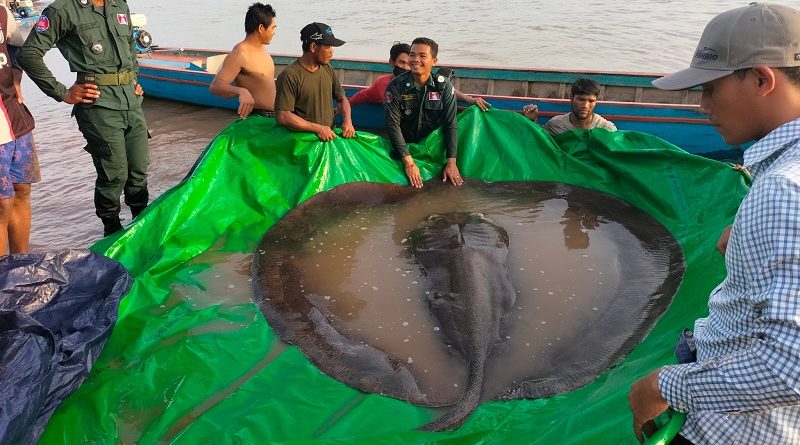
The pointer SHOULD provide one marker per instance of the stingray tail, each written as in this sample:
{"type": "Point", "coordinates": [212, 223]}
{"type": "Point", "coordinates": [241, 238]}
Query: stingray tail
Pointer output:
{"type": "Point", "coordinates": [453, 418]}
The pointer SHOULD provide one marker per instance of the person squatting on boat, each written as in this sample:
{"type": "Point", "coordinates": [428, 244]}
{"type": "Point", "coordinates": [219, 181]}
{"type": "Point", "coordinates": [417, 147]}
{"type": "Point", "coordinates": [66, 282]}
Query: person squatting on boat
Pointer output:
{"type": "Point", "coordinates": [582, 100]}
{"type": "Point", "coordinates": [745, 384]}
{"type": "Point", "coordinates": [306, 86]}
{"type": "Point", "coordinates": [96, 38]}
{"type": "Point", "coordinates": [417, 103]}
{"type": "Point", "coordinates": [398, 60]}
{"type": "Point", "coordinates": [250, 66]}
{"type": "Point", "coordinates": [19, 166]}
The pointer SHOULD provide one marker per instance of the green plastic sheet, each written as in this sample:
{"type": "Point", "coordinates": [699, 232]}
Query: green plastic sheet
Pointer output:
{"type": "Point", "coordinates": [192, 360]}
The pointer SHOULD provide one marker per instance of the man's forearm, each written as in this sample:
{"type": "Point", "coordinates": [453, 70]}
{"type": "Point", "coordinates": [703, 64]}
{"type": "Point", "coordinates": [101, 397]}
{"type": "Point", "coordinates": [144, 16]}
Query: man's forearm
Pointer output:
{"type": "Point", "coordinates": [450, 123]}
{"type": "Point", "coordinates": [451, 142]}
{"type": "Point", "coordinates": [725, 386]}
{"type": "Point", "coordinates": [345, 111]}
{"type": "Point", "coordinates": [294, 122]}
{"type": "Point", "coordinates": [31, 60]}
{"type": "Point", "coordinates": [227, 91]}
{"type": "Point", "coordinates": [391, 118]}
{"type": "Point", "coordinates": [398, 142]}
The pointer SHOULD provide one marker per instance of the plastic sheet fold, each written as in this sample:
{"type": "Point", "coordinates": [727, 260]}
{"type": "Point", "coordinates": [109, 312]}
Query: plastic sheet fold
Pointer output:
{"type": "Point", "coordinates": [57, 310]}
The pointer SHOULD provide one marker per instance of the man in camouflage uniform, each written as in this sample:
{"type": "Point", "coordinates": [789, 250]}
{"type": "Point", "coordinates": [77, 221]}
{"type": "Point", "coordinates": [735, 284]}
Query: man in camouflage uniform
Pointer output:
{"type": "Point", "coordinates": [95, 36]}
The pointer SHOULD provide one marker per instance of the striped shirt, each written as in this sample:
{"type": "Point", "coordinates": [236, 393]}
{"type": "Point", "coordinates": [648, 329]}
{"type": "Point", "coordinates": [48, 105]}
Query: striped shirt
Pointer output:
{"type": "Point", "coordinates": [745, 386]}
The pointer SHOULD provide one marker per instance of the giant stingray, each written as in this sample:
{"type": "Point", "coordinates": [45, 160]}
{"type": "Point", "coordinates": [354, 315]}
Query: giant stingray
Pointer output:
{"type": "Point", "coordinates": [471, 296]}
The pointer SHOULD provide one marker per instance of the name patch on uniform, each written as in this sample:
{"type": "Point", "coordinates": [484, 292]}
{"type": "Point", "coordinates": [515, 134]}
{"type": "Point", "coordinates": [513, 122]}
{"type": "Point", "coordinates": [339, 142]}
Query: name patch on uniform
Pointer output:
{"type": "Point", "coordinates": [43, 24]}
{"type": "Point", "coordinates": [434, 95]}
{"type": "Point", "coordinates": [387, 97]}
{"type": "Point", "coordinates": [122, 19]}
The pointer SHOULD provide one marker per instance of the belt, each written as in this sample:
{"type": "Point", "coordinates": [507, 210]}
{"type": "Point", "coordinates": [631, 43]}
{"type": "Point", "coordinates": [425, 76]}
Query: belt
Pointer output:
{"type": "Point", "coordinates": [125, 78]}
{"type": "Point", "coordinates": [265, 113]}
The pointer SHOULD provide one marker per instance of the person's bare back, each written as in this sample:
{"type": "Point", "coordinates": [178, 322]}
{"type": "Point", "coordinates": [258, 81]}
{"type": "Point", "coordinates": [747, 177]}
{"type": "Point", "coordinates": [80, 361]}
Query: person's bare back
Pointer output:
{"type": "Point", "coordinates": [248, 72]}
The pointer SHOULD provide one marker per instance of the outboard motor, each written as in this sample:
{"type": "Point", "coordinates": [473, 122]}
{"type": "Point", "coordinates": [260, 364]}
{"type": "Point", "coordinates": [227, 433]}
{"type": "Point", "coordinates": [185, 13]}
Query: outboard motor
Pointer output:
{"type": "Point", "coordinates": [142, 38]}
{"type": "Point", "coordinates": [443, 74]}
{"type": "Point", "coordinates": [24, 12]}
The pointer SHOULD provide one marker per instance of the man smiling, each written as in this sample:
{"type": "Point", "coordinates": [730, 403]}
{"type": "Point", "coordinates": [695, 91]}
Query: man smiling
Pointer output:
{"type": "Point", "coordinates": [416, 104]}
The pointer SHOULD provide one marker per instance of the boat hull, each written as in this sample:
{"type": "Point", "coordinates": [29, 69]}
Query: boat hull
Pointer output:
{"type": "Point", "coordinates": [184, 75]}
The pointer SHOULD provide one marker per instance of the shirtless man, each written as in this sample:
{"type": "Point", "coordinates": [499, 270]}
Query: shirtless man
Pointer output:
{"type": "Point", "coordinates": [250, 66]}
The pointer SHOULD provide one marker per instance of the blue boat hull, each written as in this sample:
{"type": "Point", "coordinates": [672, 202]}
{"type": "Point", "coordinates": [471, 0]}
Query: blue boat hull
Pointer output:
{"type": "Point", "coordinates": [681, 125]}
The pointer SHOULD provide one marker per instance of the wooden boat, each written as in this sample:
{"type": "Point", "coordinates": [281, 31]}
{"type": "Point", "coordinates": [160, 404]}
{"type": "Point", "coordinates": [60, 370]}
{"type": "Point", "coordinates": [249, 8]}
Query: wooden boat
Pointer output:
{"type": "Point", "coordinates": [627, 99]}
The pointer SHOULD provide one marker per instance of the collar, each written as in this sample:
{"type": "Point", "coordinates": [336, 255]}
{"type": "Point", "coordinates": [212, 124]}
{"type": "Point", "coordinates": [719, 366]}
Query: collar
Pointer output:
{"type": "Point", "coordinates": [772, 144]}
{"type": "Point", "coordinates": [406, 81]}
{"type": "Point", "coordinates": [106, 4]}
{"type": "Point", "coordinates": [414, 82]}
{"type": "Point", "coordinates": [571, 115]}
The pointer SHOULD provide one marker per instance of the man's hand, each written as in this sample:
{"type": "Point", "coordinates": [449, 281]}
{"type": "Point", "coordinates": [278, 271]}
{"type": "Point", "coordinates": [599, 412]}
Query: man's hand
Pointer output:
{"type": "Point", "coordinates": [646, 403]}
{"type": "Point", "coordinates": [348, 130]}
{"type": "Point", "coordinates": [531, 111]}
{"type": "Point", "coordinates": [82, 93]}
{"type": "Point", "coordinates": [246, 103]}
{"type": "Point", "coordinates": [138, 90]}
{"type": "Point", "coordinates": [324, 133]}
{"type": "Point", "coordinates": [480, 102]}
{"type": "Point", "coordinates": [451, 173]}
{"type": "Point", "coordinates": [412, 172]}
{"type": "Point", "coordinates": [722, 242]}
{"type": "Point", "coordinates": [740, 167]}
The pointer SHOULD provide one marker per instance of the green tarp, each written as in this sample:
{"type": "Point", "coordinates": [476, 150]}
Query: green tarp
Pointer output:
{"type": "Point", "coordinates": [193, 361]}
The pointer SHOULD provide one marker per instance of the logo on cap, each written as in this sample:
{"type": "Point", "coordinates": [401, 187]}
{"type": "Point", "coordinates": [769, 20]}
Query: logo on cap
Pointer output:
{"type": "Point", "coordinates": [706, 54]}
{"type": "Point", "coordinates": [329, 31]}
{"type": "Point", "coordinates": [315, 36]}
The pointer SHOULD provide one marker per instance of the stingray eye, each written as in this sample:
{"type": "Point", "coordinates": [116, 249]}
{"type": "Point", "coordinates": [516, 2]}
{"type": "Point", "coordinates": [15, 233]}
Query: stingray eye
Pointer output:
{"type": "Point", "coordinates": [442, 295]}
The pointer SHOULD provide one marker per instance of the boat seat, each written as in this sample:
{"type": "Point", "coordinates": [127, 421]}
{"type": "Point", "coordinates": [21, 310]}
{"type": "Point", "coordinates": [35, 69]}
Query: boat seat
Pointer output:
{"type": "Point", "coordinates": [214, 63]}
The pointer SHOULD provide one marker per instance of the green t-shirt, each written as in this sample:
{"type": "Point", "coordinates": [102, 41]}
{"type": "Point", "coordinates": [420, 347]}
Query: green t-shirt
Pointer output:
{"type": "Point", "coordinates": [308, 95]}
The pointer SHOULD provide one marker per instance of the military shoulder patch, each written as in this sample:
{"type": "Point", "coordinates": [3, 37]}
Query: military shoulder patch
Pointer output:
{"type": "Point", "coordinates": [43, 24]}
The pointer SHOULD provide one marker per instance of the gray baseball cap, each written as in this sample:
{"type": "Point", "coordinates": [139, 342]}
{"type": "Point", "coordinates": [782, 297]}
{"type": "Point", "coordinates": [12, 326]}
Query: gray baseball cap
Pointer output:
{"type": "Point", "coordinates": [758, 34]}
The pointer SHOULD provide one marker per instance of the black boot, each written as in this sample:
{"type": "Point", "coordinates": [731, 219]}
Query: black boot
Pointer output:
{"type": "Point", "coordinates": [111, 225]}
{"type": "Point", "coordinates": [136, 210]}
